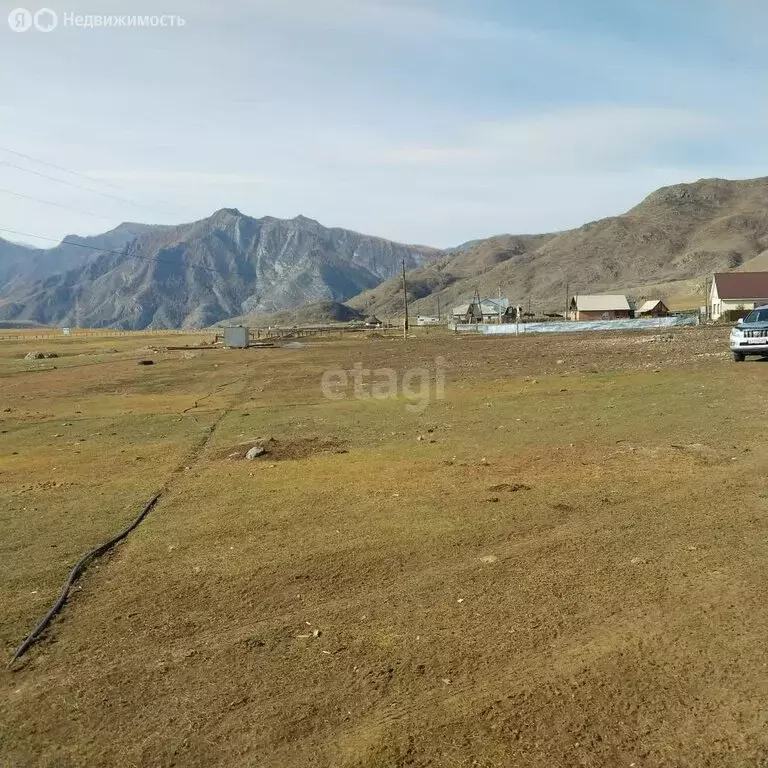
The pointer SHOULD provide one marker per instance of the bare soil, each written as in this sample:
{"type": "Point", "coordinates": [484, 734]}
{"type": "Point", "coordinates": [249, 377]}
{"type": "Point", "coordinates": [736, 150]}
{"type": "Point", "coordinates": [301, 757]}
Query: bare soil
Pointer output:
{"type": "Point", "coordinates": [283, 450]}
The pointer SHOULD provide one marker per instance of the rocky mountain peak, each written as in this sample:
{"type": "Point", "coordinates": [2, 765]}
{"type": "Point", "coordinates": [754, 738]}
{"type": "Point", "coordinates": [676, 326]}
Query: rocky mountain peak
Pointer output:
{"type": "Point", "coordinates": [301, 219]}
{"type": "Point", "coordinates": [196, 274]}
{"type": "Point", "coordinates": [225, 216]}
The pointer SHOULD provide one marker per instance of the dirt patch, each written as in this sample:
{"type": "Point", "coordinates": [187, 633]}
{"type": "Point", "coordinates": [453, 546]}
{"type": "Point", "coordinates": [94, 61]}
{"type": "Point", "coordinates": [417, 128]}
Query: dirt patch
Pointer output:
{"type": "Point", "coordinates": [699, 451]}
{"type": "Point", "coordinates": [283, 449]}
{"type": "Point", "coordinates": [151, 350]}
{"type": "Point", "coordinates": [47, 485]}
{"type": "Point", "coordinates": [510, 487]}
{"type": "Point", "coordinates": [703, 454]}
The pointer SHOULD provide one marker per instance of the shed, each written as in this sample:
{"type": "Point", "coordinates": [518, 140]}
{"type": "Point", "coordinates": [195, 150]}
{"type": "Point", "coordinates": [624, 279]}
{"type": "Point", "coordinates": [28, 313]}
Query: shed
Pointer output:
{"type": "Point", "coordinates": [236, 337]}
{"type": "Point", "coordinates": [653, 308]}
{"type": "Point", "coordinates": [608, 307]}
{"type": "Point", "coordinates": [460, 314]}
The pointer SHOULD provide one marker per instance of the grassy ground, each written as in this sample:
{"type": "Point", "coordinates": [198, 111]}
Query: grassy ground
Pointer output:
{"type": "Point", "coordinates": [559, 563]}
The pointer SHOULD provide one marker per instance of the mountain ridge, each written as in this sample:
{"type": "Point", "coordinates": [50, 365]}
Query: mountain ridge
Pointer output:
{"type": "Point", "coordinates": [197, 273]}
{"type": "Point", "coordinates": [661, 248]}
{"type": "Point", "coordinates": [230, 265]}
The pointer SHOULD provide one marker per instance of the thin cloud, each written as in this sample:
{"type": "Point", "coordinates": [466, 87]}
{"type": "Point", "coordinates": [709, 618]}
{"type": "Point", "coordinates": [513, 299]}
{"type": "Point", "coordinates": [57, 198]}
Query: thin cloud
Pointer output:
{"type": "Point", "coordinates": [585, 137]}
{"type": "Point", "coordinates": [418, 20]}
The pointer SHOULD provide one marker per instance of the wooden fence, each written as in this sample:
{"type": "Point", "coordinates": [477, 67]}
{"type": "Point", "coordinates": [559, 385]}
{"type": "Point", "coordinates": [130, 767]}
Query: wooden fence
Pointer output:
{"type": "Point", "coordinates": [27, 334]}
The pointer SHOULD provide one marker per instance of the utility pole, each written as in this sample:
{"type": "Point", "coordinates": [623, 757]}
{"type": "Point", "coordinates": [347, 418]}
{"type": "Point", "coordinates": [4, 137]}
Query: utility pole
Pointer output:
{"type": "Point", "coordinates": [707, 290]}
{"type": "Point", "coordinates": [405, 302]}
{"type": "Point", "coordinates": [566, 300]}
{"type": "Point", "coordinates": [476, 309]}
{"type": "Point", "coordinates": [439, 316]}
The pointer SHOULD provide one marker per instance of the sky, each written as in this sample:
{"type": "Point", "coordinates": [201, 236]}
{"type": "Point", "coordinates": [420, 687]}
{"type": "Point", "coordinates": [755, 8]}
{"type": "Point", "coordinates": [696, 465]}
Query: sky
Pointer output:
{"type": "Point", "coordinates": [424, 121]}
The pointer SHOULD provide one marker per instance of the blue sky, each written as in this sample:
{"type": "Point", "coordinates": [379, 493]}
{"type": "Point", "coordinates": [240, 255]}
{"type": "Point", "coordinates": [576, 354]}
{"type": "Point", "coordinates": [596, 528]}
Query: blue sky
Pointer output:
{"type": "Point", "coordinates": [422, 121]}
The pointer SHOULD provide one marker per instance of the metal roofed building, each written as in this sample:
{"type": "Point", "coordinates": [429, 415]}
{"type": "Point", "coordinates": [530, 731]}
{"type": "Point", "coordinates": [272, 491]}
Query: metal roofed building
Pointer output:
{"type": "Point", "coordinates": [737, 292]}
{"type": "Point", "coordinates": [653, 308]}
{"type": "Point", "coordinates": [487, 310]}
{"type": "Point", "coordinates": [609, 307]}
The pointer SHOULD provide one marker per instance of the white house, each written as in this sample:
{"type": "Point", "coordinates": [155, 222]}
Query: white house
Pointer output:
{"type": "Point", "coordinates": [427, 320]}
{"type": "Point", "coordinates": [737, 291]}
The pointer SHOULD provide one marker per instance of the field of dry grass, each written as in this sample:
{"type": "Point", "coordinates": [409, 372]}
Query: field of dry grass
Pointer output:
{"type": "Point", "coordinates": [559, 563]}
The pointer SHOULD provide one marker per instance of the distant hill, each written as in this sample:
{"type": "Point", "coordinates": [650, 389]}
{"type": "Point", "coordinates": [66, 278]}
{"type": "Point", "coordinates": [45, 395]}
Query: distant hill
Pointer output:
{"type": "Point", "coordinates": [19, 326]}
{"type": "Point", "coordinates": [661, 248]}
{"type": "Point", "coordinates": [20, 265]}
{"type": "Point", "coordinates": [194, 275]}
{"type": "Point", "coordinates": [319, 313]}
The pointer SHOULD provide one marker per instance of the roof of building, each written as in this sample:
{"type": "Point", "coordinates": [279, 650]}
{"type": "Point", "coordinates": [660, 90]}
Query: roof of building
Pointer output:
{"type": "Point", "coordinates": [487, 307]}
{"type": "Point", "coordinates": [601, 303]}
{"type": "Point", "coordinates": [742, 285]}
{"type": "Point", "coordinates": [650, 305]}
{"type": "Point", "coordinates": [493, 306]}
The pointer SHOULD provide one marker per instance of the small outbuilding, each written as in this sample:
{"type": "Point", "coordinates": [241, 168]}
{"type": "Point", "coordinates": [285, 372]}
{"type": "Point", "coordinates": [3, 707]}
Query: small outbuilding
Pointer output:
{"type": "Point", "coordinates": [653, 308]}
{"type": "Point", "coordinates": [236, 337]}
{"type": "Point", "coordinates": [461, 314]}
{"type": "Point", "coordinates": [610, 307]}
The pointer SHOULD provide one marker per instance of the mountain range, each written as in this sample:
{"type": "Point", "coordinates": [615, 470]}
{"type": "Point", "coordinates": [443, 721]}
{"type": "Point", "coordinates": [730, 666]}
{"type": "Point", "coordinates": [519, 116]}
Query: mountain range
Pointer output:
{"type": "Point", "coordinates": [196, 274]}
{"type": "Point", "coordinates": [664, 248]}
{"type": "Point", "coordinates": [231, 265]}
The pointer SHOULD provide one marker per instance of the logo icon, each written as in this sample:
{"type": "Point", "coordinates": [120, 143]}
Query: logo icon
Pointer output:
{"type": "Point", "coordinates": [19, 19]}
{"type": "Point", "coordinates": [46, 20]}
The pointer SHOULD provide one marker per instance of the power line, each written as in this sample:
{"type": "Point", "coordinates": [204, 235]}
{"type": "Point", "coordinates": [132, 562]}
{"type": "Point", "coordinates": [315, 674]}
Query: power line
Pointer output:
{"type": "Point", "coordinates": [55, 205]}
{"type": "Point", "coordinates": [61, 169]}
{"type": "Point", "coordinates": [56, 167]}
{"type": "Point", "coordinates": [72, 184]}
{"type": "Point", "coordinates": [107, 250]}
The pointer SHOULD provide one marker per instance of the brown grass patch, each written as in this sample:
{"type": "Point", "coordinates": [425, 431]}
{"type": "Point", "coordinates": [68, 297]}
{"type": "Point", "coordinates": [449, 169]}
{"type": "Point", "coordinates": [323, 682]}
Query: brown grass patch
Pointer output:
{"type": "Point", "coordinates": [374, 609]}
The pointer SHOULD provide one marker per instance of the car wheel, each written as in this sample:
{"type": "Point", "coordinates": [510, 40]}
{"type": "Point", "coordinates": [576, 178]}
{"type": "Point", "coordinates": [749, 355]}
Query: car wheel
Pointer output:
{"type": "Point", "coordinates": [738, 357]}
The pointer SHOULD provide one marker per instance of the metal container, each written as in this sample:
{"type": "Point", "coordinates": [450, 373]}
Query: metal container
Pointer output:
{"type": "Point", "coordinates": [236, 337]}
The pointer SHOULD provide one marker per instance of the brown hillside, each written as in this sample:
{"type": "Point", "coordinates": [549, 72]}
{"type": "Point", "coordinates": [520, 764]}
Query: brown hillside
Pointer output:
{"type": "Point", "coordinates": [318, 313]}
{"type": "Point", "coordinates": [665, 246]}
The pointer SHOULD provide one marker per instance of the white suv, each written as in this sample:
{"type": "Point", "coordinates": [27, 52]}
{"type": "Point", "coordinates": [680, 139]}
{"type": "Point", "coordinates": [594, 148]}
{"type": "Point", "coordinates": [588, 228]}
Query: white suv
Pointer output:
{"type": "Point", "coordinates": [750, 336]}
